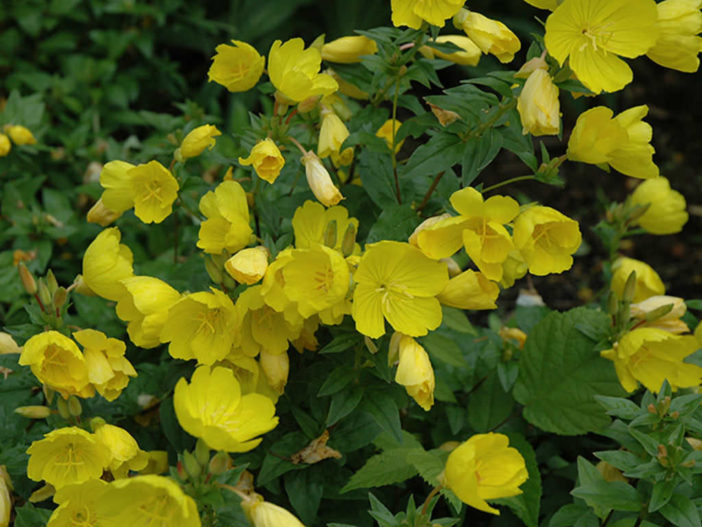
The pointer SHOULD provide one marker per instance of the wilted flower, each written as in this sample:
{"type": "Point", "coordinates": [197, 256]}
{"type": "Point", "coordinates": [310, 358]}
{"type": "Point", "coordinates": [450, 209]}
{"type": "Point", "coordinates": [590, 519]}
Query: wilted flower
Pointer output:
{"type": "Point", "coordinates": [108, 368]}
{"type": "Point", "coordinates": [414, 370]}
{"type": "Point", "coordinates": [320, 181]}
{"type": "Point", "coordinates": [266, 159]}
{"type": "Point", "coordinates": [468, 54]}
{"type": "Point", "coordinates": [648, 283]}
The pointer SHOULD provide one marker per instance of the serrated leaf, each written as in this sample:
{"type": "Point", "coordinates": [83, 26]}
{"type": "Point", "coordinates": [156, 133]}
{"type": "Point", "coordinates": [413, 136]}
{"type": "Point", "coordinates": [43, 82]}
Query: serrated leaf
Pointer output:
{"type": "Point", "coordinates": [479, 153]}
{"type": "Point", "coordinates": [386, 468]}
{"type": "Point", "coordinates": [440, 153]}
{"type": "Point", "coordinates": [681, 512]}
{"type": "Point", "coordinates": [604, 495]}
{"type": "Point", "coordinates": [489, 405]}
{"type": "Point", "coordinates": [560, 373]}
{"type": "Point", "coordinates": [619, 406]}
{"type": "Point", "coordinates": [384, 411]}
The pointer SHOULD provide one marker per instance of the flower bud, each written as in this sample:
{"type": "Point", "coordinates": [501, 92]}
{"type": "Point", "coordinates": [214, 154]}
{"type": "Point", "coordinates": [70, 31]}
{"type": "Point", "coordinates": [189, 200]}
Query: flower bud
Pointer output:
{"type": "Point", "coordinates": [265, 514]}
{"type": "Point", "coordinates": [33, 412]}
{"type": "Point", "coordinates": [42, 493]}
{"type": "Point", "coordinates": [44, 294]}
{"type": "Point", "coordinates": [5, 145]}
{"type": "Point", "coordinates": [467, 55]}
{"type": "Point", "coordinates": [213, 270]}
{"type": "Point", "coordinates": [219, 464]}
{"type": "Point", "coordinates": [386, 132]}
{"type": "Point", "coordinates": [101, 215]}
{"type": "Point", "coordinates": [191, 465]}
{"type": "Point", "coordinates": [276, 367]}
{"type": "Point", "coordinates": [320, 181]}
{"type": "Point", "coordinates": [74, 406]}
{"type": "Point", "coordinates": [414, 372]}
{"type": "Point", "coordinates": [202, 452]}
{"type": "Point", "coordinates": [62, 407]}
{"type": "Point", "coordinates": [60, 297]}
{"type": "Point", "coordinates": [332, 134]}
{"type": "Point", "coordinates": [248, 266]}
{"type": "Point", "coordinates": [28, 282]}
{"type": "Point", "coordinates": [8, 344]}
{"type": "Point", "coordinates": [538, 105]}
{"type": "Point", "coordinates": [266, 160]}
{"type": "Point", "coordinates": [329, 237]}
{"type": "Point", "coordinates": [348, 244]}
{"type": "Point", "coordinates": [20, 135]}
{"type": "Point", "coordinates": [196, 141]}
{"type": "Point", "coordinates": [348, 50]}
{"type": "Point", "coordinates": [491, 36]}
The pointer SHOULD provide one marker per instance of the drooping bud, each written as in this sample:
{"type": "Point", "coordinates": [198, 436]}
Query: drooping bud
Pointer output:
{"type": "Point", "coordinates": [28, 281]}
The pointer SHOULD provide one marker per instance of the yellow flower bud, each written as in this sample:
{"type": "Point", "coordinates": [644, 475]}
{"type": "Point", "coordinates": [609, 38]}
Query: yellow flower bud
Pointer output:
{"type": "Point", "coordinates": [101, 215]}
{"type": "Point", "coordinates": [470, 290]}
{"type": "Point", "coordinates": [249, 265]}
{"type": "Point", "coordinates": [678, 43]}
{"type": "Point", "coordinates": [332, 134]}
{"type": "Point", "coordinates": [414, 371]}
{"type": "Point", "coordinates": [236, 67]}
{"type": "Point", "coordinates": [5, 145]}
{"type": "Point", "coordinates": [507, 333]}
{"type": "Point", "coordinates": [491, 36]}
{"type": "Point", "coordinates": [20, 135]}
{"type": "Point", "coordinates": [320, 181]}
{"type": "Point", "coordinates": [386, 132]}
{"type": "Point", "coordinates": [348, 50]}
{"type": "Point", "coordinates": [348, 89]}
{"type": "Point", "coordinates": [666, 212]}
{"type": "Point", "coordinates": [648, 283]}
{"type": "Point", "coordinates": [27, 279]}
{"type": "Point", "coordinates": [265, 514]}
{"type": "Point", "coordinates": [266, 160]}
{"type": "Point", "coordinates": [468, 55]}
{"type": "Point", "coordinates": [196, 141]}
{"type": "Point", "coordinates": [33, 412]}
{"type": "Point", "coordinates": [662, 312]}
{"type": "Point", "coordinates": [276, 367]}
{"type": "Point", "coordinates": [538, 105]}
{"type": "Point", "coordinates": [8, 344]}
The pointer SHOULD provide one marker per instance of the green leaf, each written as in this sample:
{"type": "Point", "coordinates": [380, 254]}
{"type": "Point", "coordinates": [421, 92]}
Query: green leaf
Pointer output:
{"type": "Point", "coordinates": [489, 405]}
{"type": "Point", "coordinates": [386, 468]}
{"type": "Point", "coordinates": [384, 411]}
{"type": "Point", "coordinates": [457, 320]}
{"type": "Point", "coordinates": [661, 494]}
{"type": "Point", "coordinates": [30, 516]}
{"type": "Point", "coordinates": [396, 222]}
{"type": "Point", "coordinates": [343, 403]}
{"type": "Point", "coordinates": [603, 495]}
{"type": "Point", "coordinates": [377, 177]}
{"type": "Point", "coordinates": [574, 515]}
{"type": "Point", "coordinates": [444, 349]}
{"type": "Point", "coordinates": [528, 504]}
{"type": "Point", "coordinates": [681, 512]}
{"type": "Point", "coordinates": [479, 153]}
{"type": "Point", "coordinates": [619, 407]}
{"type": "Point", "coordinates": [305, 489]}
{"type": "Point", "coordinates": [560, 373]}
{"type": "Point", "coordinates": [337, 380]}
{"type": "Point", "coordinates": [440, 153]}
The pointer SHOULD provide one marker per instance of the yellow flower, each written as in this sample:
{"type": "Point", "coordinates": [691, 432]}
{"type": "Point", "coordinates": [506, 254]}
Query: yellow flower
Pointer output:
{"type": "Point", "coordinates": [294, 71]}
{"type": "Point", "coordinates": [211, 407]}
{"type": "Point", "coordinates": [670, 321]}
{"type": "Point", "coordinates": [66, 456]}
{"type": "Point", "coordinates": [157, 462]}
{"type": "Point", "coordinates": [227, 226]}
{"type": "Point", "coordinates": [414, 370]}
{"type": "Point", "coordinates": [332, 134]}
{"type": "Point", "coordinates": [678, 44]}
{"type": "Point", "coordinates": [276, 367]}
{"type": "Point", "coordinates": [543, 4]}
{"type": "Point", "coordinates": [118, 194]}
{"type": "Point", "coordinates": [395, 281]}
{"type": "Point", "coordinates": [201, 326]}
{"type": "Point", "coordinates": [154, 189]}
{"type": "Point", "coordinates": [20, 135]}
{"type": "Point", "coordinates": [78, 505]}
{"type": "Point", "coordinates": [650, 356]}
{"type": "Point", "coordinates": [479, 228]}
{"type": "Point", "coordinates": [105, 263]}
{"type": "Point", "coordinates": [236, 67]}
{"type": "Point", "coordinates": [5, 145]}
{"type": "Point", "coordinates": [348, 50]}
{"type": "Point", "coordinates": [266, 160]}
{"type": "Point", "coordinates": [491, 36]}
{"type": "Point", "coordinates": [145, 501]}
{"type": "Point", "coordinates": [546, 239]}
{"type": "Point", "coordinates": [666, 212]}
{"type": "Point", "coordinates": [538, 105]}
{"type": "Point", "coordinates": [145, 307]}
{"type": "Point", "coordinates": [125, 452]}
{"type": "Point", "coordinates": [311, 221]}
{"type": "Point", "coordinates": [108, 369]}
{"type": "Point", "coordinates": [648, 283]}
{"type": "Point", "coordinates": [592, 33]}
{"type": "Point", "coordinates": [623, 141]}
{"type": "Point", "coordinates": [412, 12]}
{"type": "Point", "coordinates": [320, 181]}
{"type": "Point", "coordinates": [248, 266]}
{"type": "Point", "coordinates": [101, 215]}
{"type": "Point", "coordinates": [8, 344]}
{"type": "Point", "coordinates": [513, 268]}
{"type": "Point", "coordinates": [265, 514]}
{"type": "Point", "coordinates": [196, 141]}
{"type": "Point", "coordinates": [469, 54]}
{"type": "Point", "coordinates": [58, 363]}
{"type": "Point", "coordinates": [485, 468]}
{"type": "Point", "coordinates": [470, 290]}
{"type": "Point", "coordinates": [5, 499]}
{"type": "Point", "coordinates": [386, 132]}
{"type": "Point", "coordinates": [347, 88]}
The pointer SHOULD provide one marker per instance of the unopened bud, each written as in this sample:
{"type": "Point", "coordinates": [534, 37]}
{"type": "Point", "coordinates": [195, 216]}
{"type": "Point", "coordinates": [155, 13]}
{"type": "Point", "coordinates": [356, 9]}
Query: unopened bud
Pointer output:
{"type": "Point", "coordinates": [652, 409]}
{"type": "Point", "coordinates": [612, 303]}
{"type": "Point", "coordinates": [60, 297]}
{"type": "Point", "coordinates": [202, 452]}
{"type": "Point", "coordinates": [44, 293]}
{"type": "Point", "coordinates": [42, 494]}
{"type": "Point", "coordinates": [51, 282]}
{"type": "Point", "coordinates": [675, 414]}
{"type": "Point", "coordinates": [28, 281]}
{"type": "Point", "coordinates": [349, 241]}
{"type": "Point", "coordinates": [330, 234]}
{"type": "Point", "coordinates": [629, 288]}
{"type": "Point", "coordinates": [308, 104]}
{"type": "Point", "coordinates": [213, 270]}
{"type": "Point", "coordinates": [219, 464]}
{"type": "Point", "coordinates": [33, 412]}
{"type": "Point", "coordinates": [97, 422]}
{"type": "Point", "coordinates": [80, 287]}
{"type": "Point", "coordinates": [370, 345]}
{"type": "Point", "coordinates": [181, 471]}
{"type": "Point", "coordinates": [192, 467]}
{"type": "Point", "coordinates": [74, 406]}
{"type": "Point", "coordinates": [8, 344]}
{"type": "Point", "coordinates": [62, 407]}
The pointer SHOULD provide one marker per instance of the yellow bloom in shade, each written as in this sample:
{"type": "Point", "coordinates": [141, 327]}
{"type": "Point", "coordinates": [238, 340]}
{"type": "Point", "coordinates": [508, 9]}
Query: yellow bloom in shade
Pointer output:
{"type": "Point", "coordinates": [147, 501]}
{"type": "Point", "coordinates": [58, 363]}
{"type": "Point", "coordinates": [266, 159]}
{"type": "Point", "coordinates": [468, 55]}
{"type": "Point", "coordinates": [594, 33]}
{"type": "Point", "coordinates": [276, 367]}
{"type": "Point", "coordinates": [145, 307]}
{"type": "Point", "coordinates": [386, 132]}
{"type": "Point", "coordinates": [479, 228]}
{"type": "Point", "coordinates": [5, 145]}
{"type": "Point", "coordinates": [108, 369]}
{"type": "Point", "coordinates": [666, 212]}
{"type": "Point", "coordinates": [485, 468]}
{"type": "Point", "coordinates": [124, 450]}
{"type": "Point", "coordinates": [78, 505]}
{"type": "Point", "coordinates": [538, 105]}
{"type": "Point", "coordinates": [395, 281]}
{"type": "Point", "coordinates": [227, 225]}
{"type": "Point", "coordinates": [311, 221]}
{"type": "Point", "coordinates": [155, 189]}
{"type": "Point", "coordinates": [678, 44]}
{"type": "Point", "coordinates": [319, 180]}
{"type": "Point", "coordinates": [470, 290]}
{"type": "Point", "coordinates": [211, 407]}
{"type": "Point", "coordinates": [414, 370]}
{"type": "Point", "coordinates": [546, 239]}
{"type": "Point", "coordinates": [294, 71]}
{"type": "Point", "coordinates": [491, 36]}
{"type": "Point", "coordinates": [623, 141]}
{"type": "Point", "coordinates": [236, 67]}
{"type": "Point", "coordinates": [105, 263]}
{"type": "Point", "coordinates": [66, 456]}
{"type": "Point", "coordinates": [5, 499]}
{"type": "Point", "coordinates": [201, 326]}
{"type": "Point", "coordinates": [101, 215]}
{"type": "Point", "coordinates": [348, 50]}
{"type": "Point", "coordinates": [649, 356]}
{"type": "Point", "coordinates": [118, 195]}
{"type": "Point", "coordinates": [332, 134]}
{"type": "Point", "coordinates": [248, 266]}
{"type": "Point", "coordinates": [265, 514]}
{"type": "Point", "coordinates": [412, 12]}
{"type": "Point", "coordinates": [648, 283]}
{"type": "Point", "coordinates": [20, 135]}
{"type": "Point", "coordinates": [196, 141]}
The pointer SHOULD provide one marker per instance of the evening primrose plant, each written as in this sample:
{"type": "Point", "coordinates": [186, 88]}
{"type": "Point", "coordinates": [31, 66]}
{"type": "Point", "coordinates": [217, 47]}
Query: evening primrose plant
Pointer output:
{"type": "Point", "coordinates": [334, 307]}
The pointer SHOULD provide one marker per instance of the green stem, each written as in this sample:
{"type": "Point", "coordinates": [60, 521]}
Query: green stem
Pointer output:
{"type": "Point", "coordinates": [431, 495]}
{"type": "Point", "coordinates": [507, 182]}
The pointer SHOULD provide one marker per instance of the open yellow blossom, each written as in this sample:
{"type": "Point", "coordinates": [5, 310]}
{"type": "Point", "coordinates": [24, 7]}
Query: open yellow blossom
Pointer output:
{"type": "Point", "coordinates": [58, 363]}
{"type": "Point", "coordinates": [145, 307]}
{"type": "Point", "coordinates": [20, 135]}
{"type": "Point", "coordinates": [266, 159]}
{"type": "Point", "coordinates": [412, 12]}
{"type": "Point", "coordinates": [236, 67]}
{"type": "Point", "coordinates": [108, 368]}
{"type": "Point", "coordinates": [395, 281]}
{"type": "Point", "coordinates": [666, 212]}
{"type": "Point", "coordinates": [265, 514]}
{"type": "Point", "coordinates": [66, 456]}
{"type": "Point", "coordinates": [624, 141]}
{"type": "Point", "coordinates": [468, 55]}
{"type": "Point", "coordinates": [227, 225]}
{"type": "Point", "coordinates": [248, 266]}
{"type": "Point", "coordinates": [294, 71]}
{"type": "Point", "coordinates": [538, 105]}
{"type": "Point", "coordinates": [594, 33]}
{"type": "Point", "coordinates": [117, 196]}
{"type": "Point", "coordinates": [312, 220]}
{"type": "Point", "coordinates": [5, 145]}
{"type": "Point", "coordinates": [211, 407]}
{"type": "Point", "coordinates": [197, 141]}
{"type": "Point", "coordinates": [470, 290]}
{"type": "Point", "coordinates": [319, 180]}
{"type": "Point", "coordinates": [332, 134]}
{"type": "Point", "coordinates": [386, 132]}
{"type": "Point", "coordinates": [78, 505]}
{"type": "Point", "coordinates": [546, 239]}
{"type": "Point", "coordinates": [648, 283]}
{"type": "Point", "coordinates": [124, 450]}
{"type": "Point", "coordinates": [491, 36]}
{"type": "Point", "coordinates": [414, 370]}
{"type": "Point", "coordinates": [678, 45]}
{"type": "Point", "coordinates": [649, 356]}
{"type": "Point", "coordinates": [105, 263]}
{"type": "Point", "coordinates": [348, 50]}
{"type": "Point", "coordinates": [485, 468]}
{"type": "Point", "coordinates": [155, 189]}
{"type": "Point", "coordinates": [201, 326]}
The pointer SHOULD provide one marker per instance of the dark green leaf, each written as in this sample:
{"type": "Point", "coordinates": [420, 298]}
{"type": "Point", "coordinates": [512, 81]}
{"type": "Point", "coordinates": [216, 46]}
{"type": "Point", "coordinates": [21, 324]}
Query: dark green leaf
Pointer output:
{"type": "Point", "coordinates": [681, 512]}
